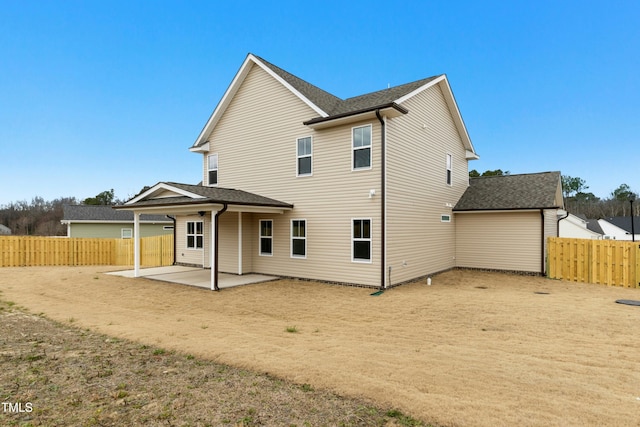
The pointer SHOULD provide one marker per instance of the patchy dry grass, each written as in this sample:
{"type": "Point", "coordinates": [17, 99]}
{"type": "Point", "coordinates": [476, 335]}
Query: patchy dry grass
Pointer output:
{"type": "Point", "coordinates": [73, 377]}
{"type": "Point", "coordinates": [473, 349]}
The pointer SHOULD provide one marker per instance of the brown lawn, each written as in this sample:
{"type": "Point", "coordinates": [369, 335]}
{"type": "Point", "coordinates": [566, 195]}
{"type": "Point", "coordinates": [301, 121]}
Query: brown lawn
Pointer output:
{"type": "Point", "coordinates": [473, 349]}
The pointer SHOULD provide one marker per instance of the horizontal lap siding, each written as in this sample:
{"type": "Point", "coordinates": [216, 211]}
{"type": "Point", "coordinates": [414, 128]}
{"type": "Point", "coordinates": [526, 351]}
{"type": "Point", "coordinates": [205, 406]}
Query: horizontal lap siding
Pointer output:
{"type": "Point", "coordinates": [418, 242]}
{"type": "Point", "coordinates": [189, 256]}
{"type": "Point", "coordinates": [228, 241]}
{"type": "Point", "coordinates": [256, 143]}
{"type": "Point", "coordinates": [501, 241]}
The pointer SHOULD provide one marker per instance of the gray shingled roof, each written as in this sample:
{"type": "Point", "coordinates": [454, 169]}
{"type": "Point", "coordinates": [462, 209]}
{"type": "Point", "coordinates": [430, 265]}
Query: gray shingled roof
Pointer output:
{"type": "Point", "coordinates": [104, 213]}
{"type": "Point", "coordinates": [212, 195]}
{"type": "Point", "coordinates": [624, 222]}
{"type": "Point", "coordinates": [594, 225]}
{"type": "Point", "coordinates": [335, 106]}
{"type": "Point", "coordinates": [323, 99]}
{"type": "Point", "coordinates": [526, 191]}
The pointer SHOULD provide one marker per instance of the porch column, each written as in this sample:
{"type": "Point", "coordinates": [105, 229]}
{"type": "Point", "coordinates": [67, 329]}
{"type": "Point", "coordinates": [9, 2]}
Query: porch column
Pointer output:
{"type": "Point", "coordinates": [239, 242]}
{"type": "Point", "coordinates": [212, 250]}
{"type": "Point", "coordinates": [136, 244]}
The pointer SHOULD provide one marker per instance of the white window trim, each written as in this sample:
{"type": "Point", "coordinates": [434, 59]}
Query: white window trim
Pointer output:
{"type": "Point", "coordinates": [353, 149]}
{"type": "Point", "coordinates": [216, 169]}
{"type": "Point", "coordinates": [447, 219]}
{"type": "Point", "coordinates": [370, 240]}
{"type": "Point", "coordinates": [449, 169]}
{"type": "Point", "coordinates": [195, 236]}
{"type": "Point", "coordinates": [260, 237]}
{"type": "Point", "coordinates": [122, 232]}
{"type": "Point", "coordinates": [291, 237]}
{"type": "Point", "coordinates": [298, 157]}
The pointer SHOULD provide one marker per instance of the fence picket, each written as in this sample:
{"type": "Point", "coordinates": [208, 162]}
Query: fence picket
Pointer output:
{"type": "Point", "coordinates": [607, 262]}
{"type": "Point", "coordinates": [19, 251]}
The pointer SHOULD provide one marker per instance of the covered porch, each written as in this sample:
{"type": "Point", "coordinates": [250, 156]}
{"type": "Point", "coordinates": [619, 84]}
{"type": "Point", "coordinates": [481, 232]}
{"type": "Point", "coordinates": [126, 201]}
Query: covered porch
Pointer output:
{"type": "Point", "coordinates": [194, 276]}
{"type": "Point", "coordinates": [206, 205]}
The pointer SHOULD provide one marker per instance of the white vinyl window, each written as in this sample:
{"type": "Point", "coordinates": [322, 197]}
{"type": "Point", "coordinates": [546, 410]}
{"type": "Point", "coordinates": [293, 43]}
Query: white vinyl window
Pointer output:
{"type": "Point", "coordinates": [445, 218]}
{"type": "Point", "coordinates": [298, 238]}
{"type": "Point", "coordinates": [126, 233]}
{"type": "Point", "coordinates": [195, 235]}
{"type": "Point", "coordinates": [361, 147]}
{"type": "Point", "coordinates": [304, 156]}
{"type": "Point", "coordinates": [212, 168]}
{"type": "Point", "coordinates": [266, 237]}
{"type": "Point", "coordinates": [449, 169]}
{"type": "Point", "coordinates": [361, 240]}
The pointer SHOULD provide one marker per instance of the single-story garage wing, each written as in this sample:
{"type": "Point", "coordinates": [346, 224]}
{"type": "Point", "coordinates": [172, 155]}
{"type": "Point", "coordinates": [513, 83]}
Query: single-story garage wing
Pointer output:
{"type": "Point", "coordinates": [503, 222]}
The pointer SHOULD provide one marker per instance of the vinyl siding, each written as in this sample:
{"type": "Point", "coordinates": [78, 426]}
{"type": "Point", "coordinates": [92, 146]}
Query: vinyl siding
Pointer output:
{"type": "Point", "coordinates": [191, 256]}
{"type": "Point", "coordinates": [256, 143]}
{"type": "Point", "coordinates": [499, 240]}
{"type": "Point", "coordinates": [418, 243]}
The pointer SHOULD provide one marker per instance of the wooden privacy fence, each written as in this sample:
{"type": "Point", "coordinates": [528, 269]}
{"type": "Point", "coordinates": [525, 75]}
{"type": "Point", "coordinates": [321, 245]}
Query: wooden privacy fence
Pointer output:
{"type": "Point", "coordinates": [22, 251]}
{"type": "Point", "coordinates": [606, 262]}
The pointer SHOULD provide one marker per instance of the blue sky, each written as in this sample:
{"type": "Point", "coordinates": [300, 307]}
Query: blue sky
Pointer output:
{"type": "Point", "coordinates": [97, 95]}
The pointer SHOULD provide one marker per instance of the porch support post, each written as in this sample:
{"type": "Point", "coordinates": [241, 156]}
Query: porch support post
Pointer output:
{"type": "Point", "coordinates": [212, 251]}
{"type": "Point", "coordinates": [136, 244]}
{"type": "Point", "coordinates": [239, 242]}
{"type": "Point", "coordinates": [214, 246]}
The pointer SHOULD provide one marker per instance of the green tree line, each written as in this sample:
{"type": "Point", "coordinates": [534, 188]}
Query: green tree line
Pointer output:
{"type": "Point", "coordinates": [40, 217]}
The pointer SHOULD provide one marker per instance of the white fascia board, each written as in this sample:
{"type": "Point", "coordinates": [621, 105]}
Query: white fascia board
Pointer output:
{"type": "Point", "coordinates": [200, 149]}
{"type": "Point", "coordinates": [420, 89]}
{"type": "Point", "coordinates": [225, 101]}
{"type": "Point", "coordinates": [233, 88]}
{"type": "Point", "coordinates": [453, 107]}
{"type": "Point", "coordinates": [303, 98]}
{"type": "Point", "coordinates": [106, 221]}
{"type": "Point", "coordinates": [163, 186]}
{"type": "Point", "coordinates": [493, 211]}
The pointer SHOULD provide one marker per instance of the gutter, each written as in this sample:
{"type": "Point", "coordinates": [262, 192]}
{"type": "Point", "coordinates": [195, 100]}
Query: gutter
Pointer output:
{"type": "Point", "coordinates": [377, 109]}
{"type": "Point", "coordinates": [542, 250]}
{"type": "Point", "coordinates": [383, 202]}
{"type": "Point", "coordinates": [216, 249]}
{"type": "Point", "coordinates": [558, 224]}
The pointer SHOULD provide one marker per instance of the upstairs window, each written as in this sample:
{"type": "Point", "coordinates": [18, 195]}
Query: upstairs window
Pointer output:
{"type": "Point", "coordinates": [361, 147]}
{"type": "Point", "coordinates": [449, 169]}
{"type": "Point", "coordinates": [299, 238]}
{"type": "Point", "coordinates": [304, 156]}
{"type": "Point", "coordinates": [212, 167]}
{"type": "Point", "coordinates": [195, 234]}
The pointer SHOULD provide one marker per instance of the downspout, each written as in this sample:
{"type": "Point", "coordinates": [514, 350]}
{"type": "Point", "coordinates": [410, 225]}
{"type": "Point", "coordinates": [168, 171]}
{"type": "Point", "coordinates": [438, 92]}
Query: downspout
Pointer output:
{"type": "Point", "coordinates": [542, 257]}
{"type": "Point", "coordinates": [175, 248]}
{"type": "Point", "coordinates": [558, 225]}
{"type": "Point", "coordinates": [216, 250]}
{"type": "Point", "coordinates": [383, 202]}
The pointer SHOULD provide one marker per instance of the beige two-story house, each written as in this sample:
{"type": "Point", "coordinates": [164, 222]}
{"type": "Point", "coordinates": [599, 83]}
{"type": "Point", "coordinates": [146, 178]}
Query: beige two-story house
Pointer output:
{"type": "Point", "coordinates": [297, 182]}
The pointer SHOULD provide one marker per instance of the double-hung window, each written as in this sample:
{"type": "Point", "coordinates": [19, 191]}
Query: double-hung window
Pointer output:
{"type": "Point", "coordinates": [361, 147]}
{"type": "Point", "coordinates": [304, 156]}
{"type": "Point", "coordinates": [361, 240]}
{"type": "Point", "coordinates": [266, 237]}
{"type": "Point", "coordinates": [298, 238]}
{"type": "Point", "coordinates": [212, 168]}
{"type": "Point", "coordinates": [195, 234]}
{"type": "Point", "coordinates": [449, 169]}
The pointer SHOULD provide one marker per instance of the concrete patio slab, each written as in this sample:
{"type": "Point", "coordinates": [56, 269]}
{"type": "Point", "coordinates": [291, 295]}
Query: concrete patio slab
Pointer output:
{"type": "Point", "coordinates": [194, 276]}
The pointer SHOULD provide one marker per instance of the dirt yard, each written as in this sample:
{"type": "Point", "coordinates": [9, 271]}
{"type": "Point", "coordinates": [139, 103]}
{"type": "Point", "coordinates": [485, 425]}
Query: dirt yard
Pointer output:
{"type": "Point", "coordinates": [473, 349]}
